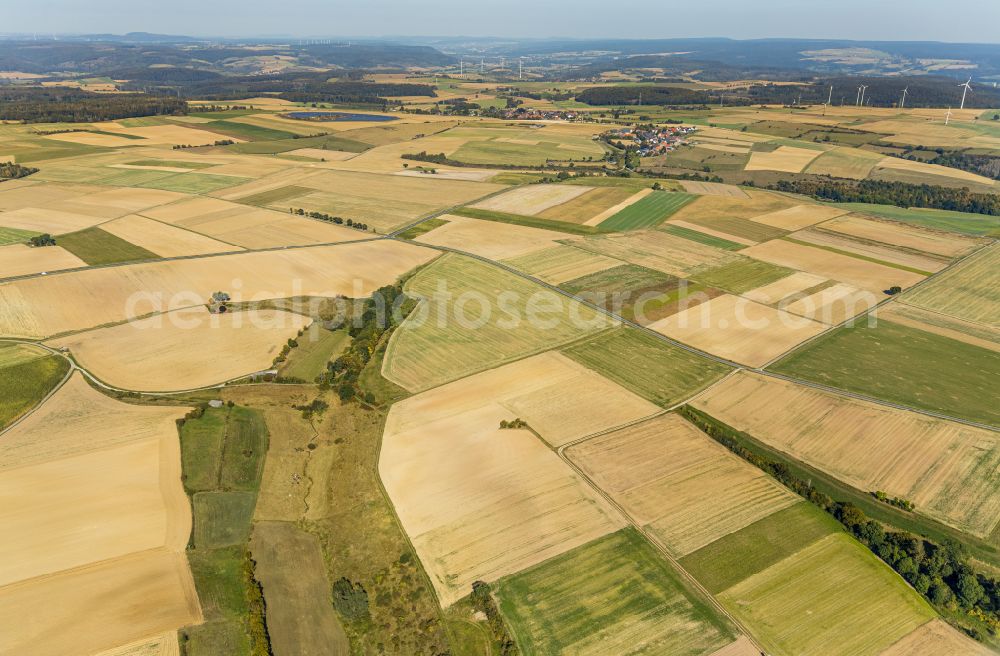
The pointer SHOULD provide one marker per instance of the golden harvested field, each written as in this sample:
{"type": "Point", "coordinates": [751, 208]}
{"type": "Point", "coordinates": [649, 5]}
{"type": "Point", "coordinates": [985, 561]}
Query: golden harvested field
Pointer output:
{"type": "Point", "coordinates": [474, 316]}
{"type": "Point", "coordinates": [869, 276]}
{"type": "Point", "coordinates": [77, 420]}
{"type": "Point", "coordinates": [976, 334]}
{"type": "Point", "coordinates": [799, 216]}
{"type": "Point", "coordinates": [594, 206]}
{"type": "Point", "coordinates": [833, 305]}
{"type": "Point", "coordinates": [100, 525]}
{"type": "Point", "coordinates": [712, 189]}
{"type": "Point", "coordinates": [42, 307]}
{"type": "Point", "coordinates": [250, 227]}
{"type": "Point", "coordinates": [786, 158]}
{"type": "Point", "coordinates": [100, 606]}
{"type": "Point", "coordinates": [21, 259]}
{"type": "Point", "coordinates": [844, 162]}
{"type": "Point", "coordinates": [969, 291]}
{"type": "Point", "coordinates": [162, 645]}
{"type": "Point", "coordinates": [112, 203]}
{"type": "Point", "coordinates": [490, 239]}
{"type": "Point", "coordinates": [533, 199]}
{"type": "Point", "coordinates": [936, 638]}
{"type": "Point", "coordinates": [656, 250]}
{"type": "Point", "coordinates": [950, 471]}
{"type": "Point", "coordinates": [384, 202]}
{"type": "Point", "coordinates": [738, 329]}
{"type": "Point", "coordinates": [883, 253]}
{"type": "Point", "coordinates": [560, 263]}
{"type": "Point", "coordinates": [183, 349]}
{"type": "Point", "coordinates": [54, 222]}
{"type": "Point", "coordinates": [523, 506]}
{"type": "Point", "coordinates": [714, 233]}
{"type": "Point", "coordinates": [596, 219]}
{"type": "Point", "coordinates": [900, 164]}
{"type": "Point", "coordinates": [934, 242]}
{"type": "Point", "coordinates": [673, 479]}
{"type": "Point", "coordinates": [773, 293]}
{"type": "Point", "coordinates": [168, 135]}
{"type": "Point", "coordinates": [163, 239]}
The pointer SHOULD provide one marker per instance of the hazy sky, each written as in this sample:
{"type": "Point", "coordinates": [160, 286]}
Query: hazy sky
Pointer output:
{"type": "Point", "coordinates": [858, 19]}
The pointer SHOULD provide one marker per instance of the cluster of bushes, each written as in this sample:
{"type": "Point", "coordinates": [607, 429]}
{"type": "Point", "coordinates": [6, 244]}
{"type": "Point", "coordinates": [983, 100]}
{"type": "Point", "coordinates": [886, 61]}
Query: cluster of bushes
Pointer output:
{"type": "Point", "coordinates": [323, 216]}
{"type": "Point", "coordinates": [483, 602]}
{"type": "Point", "coordinates": [350, 600]}
{"type": "Point", "coordinates": [42, 240]}
{"type": "Point", "coordinates": [939, 572]}
{"type": "Point", "coordinates": [513, 423]}
{"type": "Point", "coordinates": [315, 407]}
{"type": "Point", "coordinates": [900, 194]}
{"type": "Point", "coordinates": [67, 105]}
{"type": "Point", "coordinates": [379, 315]}
{"type": "Point", "coordinates": [285, 350]}
{"type": "Point", "coordinates": [12, 171]}
{"type": "Point", "coordinates": [898, 502]}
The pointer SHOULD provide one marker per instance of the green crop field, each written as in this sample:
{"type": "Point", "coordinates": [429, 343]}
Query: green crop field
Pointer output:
{"type": "Point", "coordinates": [309, 358]}
{"type": "Point", "coordinates": [218, 577]}
{"type": "Point", "coordinates": [650, 367]}
{"type": "Point", "coordinates": [27, 374]}
{"type": "Point", "coordinates": [701, 237]}
{"type": "Point", "coordinates": [96, 247]}
{"type": "Point", "coordinates": [968, 291]}
{"type": "Point", "coordinates": [737, 227]}
{"type": "Point", "coordinates": [193, 183]}
{"type": "Point", "coordinates": [276, 195]}
{"type": "Point", "coordinates": [14, 235]}
{"type": "Point", "coordinates": [433, 352]}
{"type": "Point", "coordinates": [615, 595]}
{"type": "Point", "coordinates": [737, 556]}
{"type": "Point", "coordinates": [223, 518]}
{"type": "Point", "coordinates": [633, 183]}
{"type": "Point", "coordinates": [421, 228]}
{"type": "Point", "coordinates": [272, 146]}
{"type": "Point", "coordinates": [742, 275]}
{"type": "Point", "coordinates": [201, 449]}
{"type": "Point", "coordinates": [961, 222]}
{"type": "Point", "coordinates": [904, 365]}
{"type": "Point", "coordinates": [245, 448]}
{"type": "Point", "coordinates": [171, 163]}
{"type": "Point", "coordinates": [833, 597]}
{"type": "Point", "coordinates": [649, 211]}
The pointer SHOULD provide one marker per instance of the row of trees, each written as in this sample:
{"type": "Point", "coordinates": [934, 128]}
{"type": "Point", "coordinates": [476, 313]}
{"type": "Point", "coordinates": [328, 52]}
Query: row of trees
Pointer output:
{"type": "Point", "coordinates": [64, 105]}
{"type": "Point", "coordinates": [483, 602]}
{"type": "Point", "coordinates": [901, 194]}
{"type": "Point", "coordinates": [323, 216]}
{"type": "Point", "coordinates": [940, 572]}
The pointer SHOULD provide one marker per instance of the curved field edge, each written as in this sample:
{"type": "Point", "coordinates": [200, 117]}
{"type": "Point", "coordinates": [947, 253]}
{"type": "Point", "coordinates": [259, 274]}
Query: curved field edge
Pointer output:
{"type": "Point", "coordinates": [24, 384]}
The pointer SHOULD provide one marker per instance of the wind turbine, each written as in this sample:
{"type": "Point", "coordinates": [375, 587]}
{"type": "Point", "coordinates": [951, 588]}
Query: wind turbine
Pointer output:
{"type": "Point", "coordinates": [967, 88]}
{"type": "Point", "coordinates": [864, 87]}
{"type": "Point", "coordinates": [858, 100]}
{"type": "Point", "coordinates": [947, 117]}
{"type": "Point", "coordinates": [902, 103]}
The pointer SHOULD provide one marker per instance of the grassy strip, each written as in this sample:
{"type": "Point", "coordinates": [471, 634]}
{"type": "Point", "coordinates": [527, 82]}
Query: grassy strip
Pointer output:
{"type": "Point", "coordinates": [421, 228]}
{"type": "Point", "coordinates": [701, 237]}
{"type": "Point", "coordinates": [96, 247]}
{"type": "Point", "coordinates": [530, 221]}
{"type": "Point", "coordinates": [866, 258]}
{"type": "Point", "coordinates": [15, 235]}
{"type": "Point", "coordinates": [246, 131]}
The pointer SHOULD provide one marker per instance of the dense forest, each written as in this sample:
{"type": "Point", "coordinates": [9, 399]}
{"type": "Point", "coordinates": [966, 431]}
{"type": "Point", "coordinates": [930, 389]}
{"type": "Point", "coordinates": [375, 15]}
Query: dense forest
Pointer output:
{"type": "Point", "coordinates": [296, 87]}
{"type": "Point", "coordinates": [900, 194]}
{"type": "Point", "coordinates": [66, 105]}
{"type": "Point", "coordinates": [985, 165]}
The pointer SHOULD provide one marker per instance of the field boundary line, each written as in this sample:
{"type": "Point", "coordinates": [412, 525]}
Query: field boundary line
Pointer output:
{"type": "Point", "coordinates": [715, 358]}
